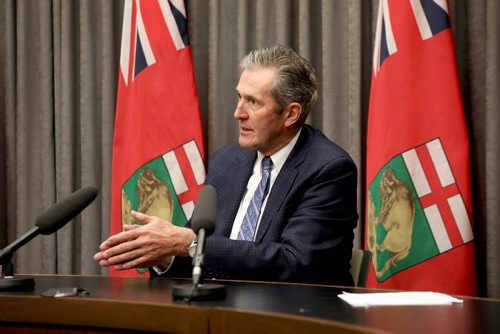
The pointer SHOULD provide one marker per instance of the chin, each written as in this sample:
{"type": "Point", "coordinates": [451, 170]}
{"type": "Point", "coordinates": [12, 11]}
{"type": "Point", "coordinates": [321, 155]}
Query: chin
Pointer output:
{"type": "Point", "coordinates": [245, 143]}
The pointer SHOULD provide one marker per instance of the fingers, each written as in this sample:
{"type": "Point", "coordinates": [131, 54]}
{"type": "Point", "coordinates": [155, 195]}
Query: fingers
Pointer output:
{"type": "Point", "coordinates": [98, 256]}
{"type": "Point", "coordinates": [131, 233]}
{"type": "Point", "coordinates": [121, 252]}
{"type": "Point", "coordinates": [121, 255]}
{"type": "Point", "coordinates": [125, 260]}
{"type": "Point", "coordinates": [130, 227]}
{"type": "Point", "coordinates": [140, 262]}
{"type": "Point", "coordinates": [142, 217]}
{"type": "Point", "coordinates": [134, 258]}
{"type": "Point", "coordinates": [116, 244]}
{"type": "Point", "coordinates": [134, 263]}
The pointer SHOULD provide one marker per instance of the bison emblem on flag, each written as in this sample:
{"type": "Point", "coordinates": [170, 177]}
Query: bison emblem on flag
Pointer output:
{"type": "Point", "coordinates": [415, 210]}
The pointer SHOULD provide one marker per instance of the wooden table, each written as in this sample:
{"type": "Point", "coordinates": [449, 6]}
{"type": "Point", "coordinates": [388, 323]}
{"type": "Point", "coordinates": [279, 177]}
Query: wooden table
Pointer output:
{"type": "Point", "coordinates": [135, 304]}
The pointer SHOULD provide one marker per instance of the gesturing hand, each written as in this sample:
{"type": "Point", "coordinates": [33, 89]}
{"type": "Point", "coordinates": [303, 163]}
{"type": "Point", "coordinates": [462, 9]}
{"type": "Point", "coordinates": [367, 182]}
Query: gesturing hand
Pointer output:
{"type": "Point", "coordinates": [141, 246]}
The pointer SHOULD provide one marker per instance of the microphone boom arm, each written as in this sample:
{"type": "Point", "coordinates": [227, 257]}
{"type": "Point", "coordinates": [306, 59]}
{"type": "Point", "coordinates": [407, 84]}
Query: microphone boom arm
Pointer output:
{"type": "Point", "coordinates": [8, 251]}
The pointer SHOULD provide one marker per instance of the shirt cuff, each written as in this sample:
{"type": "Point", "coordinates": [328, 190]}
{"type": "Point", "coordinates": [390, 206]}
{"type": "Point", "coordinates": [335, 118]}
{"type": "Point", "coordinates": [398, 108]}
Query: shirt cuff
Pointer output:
{"type": "Point", "coordinates": [160, 270]}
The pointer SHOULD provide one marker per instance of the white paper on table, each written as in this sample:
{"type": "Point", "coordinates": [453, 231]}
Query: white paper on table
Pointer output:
{"type": "Point", "coordinates": [398, 298]}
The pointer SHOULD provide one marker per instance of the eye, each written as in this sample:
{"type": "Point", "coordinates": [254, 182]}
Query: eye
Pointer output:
{"type": "Point", "coordinates": [253, 104]}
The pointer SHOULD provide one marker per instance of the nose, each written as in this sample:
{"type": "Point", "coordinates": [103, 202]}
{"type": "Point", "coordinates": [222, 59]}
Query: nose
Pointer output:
{"type": "Point", "coordinates": [239, 112]}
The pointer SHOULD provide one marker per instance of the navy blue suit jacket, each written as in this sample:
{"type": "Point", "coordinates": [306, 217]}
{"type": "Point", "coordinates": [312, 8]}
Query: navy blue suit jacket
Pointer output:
{"type": "Point", "coordinates": [306, 230]}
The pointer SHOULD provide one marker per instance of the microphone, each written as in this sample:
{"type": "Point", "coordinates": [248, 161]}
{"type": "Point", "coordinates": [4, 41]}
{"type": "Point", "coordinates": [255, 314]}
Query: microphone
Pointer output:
{"type": "Point", "coordinates": [47, 223]}
{"type": "Point", "coordinates": [62, 212]}
{"type": "Point", "coordinates": [203, 224]}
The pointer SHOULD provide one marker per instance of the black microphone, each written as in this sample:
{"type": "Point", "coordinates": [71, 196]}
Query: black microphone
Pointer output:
{"type": "Point", "coordinates": [47, 223]}
{"type": "Point", "coordinates": [64, 211]}
{"type": "Point", "coordinates": [203, 224]}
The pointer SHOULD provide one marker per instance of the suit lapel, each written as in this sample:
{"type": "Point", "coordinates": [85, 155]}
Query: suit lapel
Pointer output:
{"type": "Point", "coordinates": [284, 181]}
{"type": "Point", "coordinates": [238, 174]}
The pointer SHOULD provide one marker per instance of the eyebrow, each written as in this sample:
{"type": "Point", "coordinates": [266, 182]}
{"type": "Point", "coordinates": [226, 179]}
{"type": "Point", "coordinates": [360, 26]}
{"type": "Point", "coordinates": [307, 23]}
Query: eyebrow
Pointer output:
{"type": "Point", "coordinates": [246, 96]}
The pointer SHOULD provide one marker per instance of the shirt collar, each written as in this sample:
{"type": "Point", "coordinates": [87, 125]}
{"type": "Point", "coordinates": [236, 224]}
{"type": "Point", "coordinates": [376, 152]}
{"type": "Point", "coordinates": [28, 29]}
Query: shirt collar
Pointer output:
{"type": "Point", "coordinates": [280, 157]}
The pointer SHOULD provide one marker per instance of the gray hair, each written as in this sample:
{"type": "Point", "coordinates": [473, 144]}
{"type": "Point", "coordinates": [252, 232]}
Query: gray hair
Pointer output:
{"type": "Point", "coordinates": [295, 79]}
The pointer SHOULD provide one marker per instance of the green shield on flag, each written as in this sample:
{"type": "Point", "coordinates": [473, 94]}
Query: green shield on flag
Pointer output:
{"type": "Point", "coordinates": [399, 235]}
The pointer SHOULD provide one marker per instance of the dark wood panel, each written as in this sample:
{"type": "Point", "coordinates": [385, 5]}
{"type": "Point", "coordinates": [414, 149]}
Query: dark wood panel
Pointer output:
{"type": "Point", "coordinates": [103, 313]}
{"type": "Point", "coordinates": [226, 321]}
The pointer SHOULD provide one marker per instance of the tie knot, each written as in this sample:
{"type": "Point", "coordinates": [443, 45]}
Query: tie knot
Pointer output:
{"type": "Point", "coordinates": [266, 163]}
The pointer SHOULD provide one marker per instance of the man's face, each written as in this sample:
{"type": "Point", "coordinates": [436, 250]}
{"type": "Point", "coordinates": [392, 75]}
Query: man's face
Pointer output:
{"type": "Point", "coordinates": [261, 127]}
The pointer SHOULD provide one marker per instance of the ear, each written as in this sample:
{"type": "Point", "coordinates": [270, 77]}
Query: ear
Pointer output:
{"type": "Point", "coordinates": [293, 112]}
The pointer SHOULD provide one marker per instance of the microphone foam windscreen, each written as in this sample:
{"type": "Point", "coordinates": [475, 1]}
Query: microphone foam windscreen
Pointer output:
{"type": "Point", "coordinates": [62, 212]}
{"type": "Point", "coordinates": [205, 212]}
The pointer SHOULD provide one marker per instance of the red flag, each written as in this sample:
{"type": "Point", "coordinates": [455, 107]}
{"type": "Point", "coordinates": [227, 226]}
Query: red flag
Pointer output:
{"type": "Point", "coordinates": [419, 207]}
{"type": "Point", "coordinates": [158, 158]}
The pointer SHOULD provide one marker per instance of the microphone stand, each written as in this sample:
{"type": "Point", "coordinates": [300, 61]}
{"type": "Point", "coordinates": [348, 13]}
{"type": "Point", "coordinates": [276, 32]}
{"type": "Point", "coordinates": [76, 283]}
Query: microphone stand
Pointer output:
{"type": "Point", "coordinates": [198, 290]}
{"type": "Point", "coordinates": [7, 280]}
{"type": "Point", "coordinates": [203, 222]}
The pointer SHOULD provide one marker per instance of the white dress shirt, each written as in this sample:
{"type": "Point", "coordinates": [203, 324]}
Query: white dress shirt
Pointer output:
{"type": "Point", "coordinates": [278, 159]}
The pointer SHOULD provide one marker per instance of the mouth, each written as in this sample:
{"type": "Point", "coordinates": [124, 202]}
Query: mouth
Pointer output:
{"type": "Point", "coordinates": [244, 130]}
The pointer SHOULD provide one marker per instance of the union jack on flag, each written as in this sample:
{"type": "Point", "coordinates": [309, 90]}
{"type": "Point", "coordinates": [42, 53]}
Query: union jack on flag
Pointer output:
{"type": "Point", "coordinates": [431, 17]}
{"type": "Point", "coordinates": [139, 55]}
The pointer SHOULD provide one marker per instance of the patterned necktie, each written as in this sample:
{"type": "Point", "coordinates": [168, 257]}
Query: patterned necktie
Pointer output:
{"type": "Point", "coordinates": [247, 229]}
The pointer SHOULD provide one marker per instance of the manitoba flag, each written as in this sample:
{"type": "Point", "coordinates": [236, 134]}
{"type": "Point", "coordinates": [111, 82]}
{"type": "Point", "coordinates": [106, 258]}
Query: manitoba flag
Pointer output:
{"type": "Point", "coordinates": [158, 159]}
{"type": "Point", "coordinates": [419, 207]}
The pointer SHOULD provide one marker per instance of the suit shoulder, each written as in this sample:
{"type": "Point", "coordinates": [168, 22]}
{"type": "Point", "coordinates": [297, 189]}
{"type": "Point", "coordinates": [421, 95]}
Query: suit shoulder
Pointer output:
{"type": "Point", "coordinates": [230, 154]}
{"type": "Point", "coordinates": [228, 151]}
{"type": "Point", "coordinates": [322, 147]}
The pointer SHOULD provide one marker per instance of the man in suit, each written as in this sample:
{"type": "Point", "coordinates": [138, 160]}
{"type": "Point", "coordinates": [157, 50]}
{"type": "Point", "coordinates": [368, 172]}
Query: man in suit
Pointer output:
{"type": "Point", "coordinates": [301, 230]}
